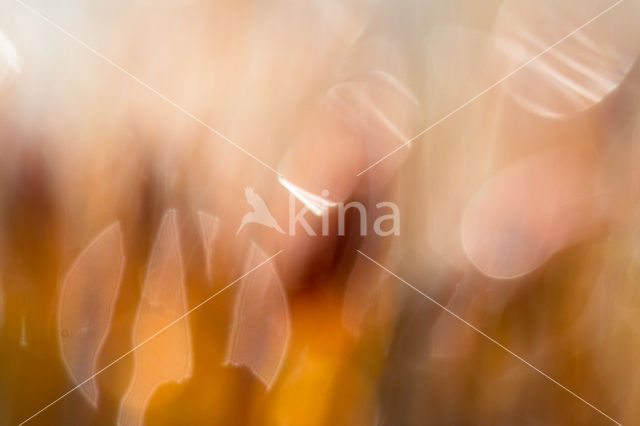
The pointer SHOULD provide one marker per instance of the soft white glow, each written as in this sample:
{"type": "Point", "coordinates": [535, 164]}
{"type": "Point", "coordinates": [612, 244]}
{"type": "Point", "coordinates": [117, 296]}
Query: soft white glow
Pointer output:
{"type": "Point", "coordinates": [317, 204]}
{"type": "Point", "coordinates": [9, 58]}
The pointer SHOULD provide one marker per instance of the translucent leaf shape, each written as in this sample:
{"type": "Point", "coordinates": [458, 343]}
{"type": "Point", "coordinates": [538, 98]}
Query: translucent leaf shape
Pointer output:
{"type": "Point", "coordinates": [261, 326]}
{"type": "Point", "coordinates": [583, 69]}
{"type": "Point", "coordinates": [366, 114]}
{"type": "Point", "coordinates": [165, 350]}
{"type": "Point", "coordinates": [530, 210]}
{"type": "Point", "coordinates": [209, 226]}
{"type": "Point", "coordinates": [86, 306]}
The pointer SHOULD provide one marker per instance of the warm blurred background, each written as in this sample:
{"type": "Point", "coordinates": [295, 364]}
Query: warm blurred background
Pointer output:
{"type": "Point", "coordinates": [121, 195]}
